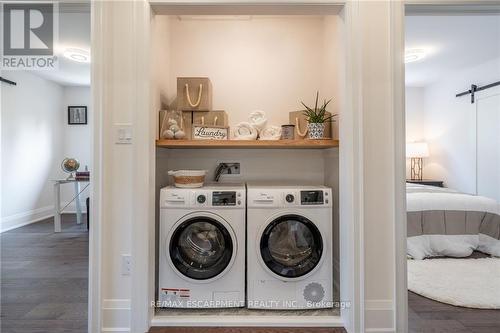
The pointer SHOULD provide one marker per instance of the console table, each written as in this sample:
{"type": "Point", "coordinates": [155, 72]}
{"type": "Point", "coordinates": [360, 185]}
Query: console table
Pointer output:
{"type": "Point", "coordinates": [57, 200]}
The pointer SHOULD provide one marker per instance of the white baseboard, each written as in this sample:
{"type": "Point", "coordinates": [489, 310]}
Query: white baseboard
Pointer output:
{"type": "Point", "coordinates": [116, 315]}
{"type": "Point", "coordinates": [24, 218]}
{"type": "Point", "coordinates": [116, 330]}
{"type": "Point", "coordinates": [379, 316]}
{"type": "Point", "coordinates": [21, 219]}
{"type": "Point", "coordinates": [379, 330]}
{"type": "Point", "coordinates": [246, 321]}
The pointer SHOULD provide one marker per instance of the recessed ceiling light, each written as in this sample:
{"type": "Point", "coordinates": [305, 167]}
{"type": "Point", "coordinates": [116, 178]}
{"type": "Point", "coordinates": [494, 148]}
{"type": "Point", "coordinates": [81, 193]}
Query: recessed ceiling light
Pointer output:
{"type": "Point", "coordinates": [412, 55]}
{"type": "Point", "coordinates": [77, 55]}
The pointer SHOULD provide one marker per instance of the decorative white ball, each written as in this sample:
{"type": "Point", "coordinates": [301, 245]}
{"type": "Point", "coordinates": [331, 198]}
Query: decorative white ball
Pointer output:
{"type": "Point", "coordinates": [174, 128]}
{"type": "Point", "coordinates": [180, 134]}
{"type": "Point", "coordinates": [168, 134]}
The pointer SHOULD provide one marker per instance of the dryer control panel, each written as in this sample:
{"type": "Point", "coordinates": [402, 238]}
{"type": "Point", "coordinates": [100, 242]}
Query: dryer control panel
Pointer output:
{"type": "Point", "coordinates": [275, 197]}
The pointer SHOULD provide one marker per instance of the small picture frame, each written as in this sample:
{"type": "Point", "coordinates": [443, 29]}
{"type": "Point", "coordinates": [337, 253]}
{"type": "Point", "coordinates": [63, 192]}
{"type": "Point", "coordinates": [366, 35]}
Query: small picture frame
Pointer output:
{"type": "Point", "coordinates": [77, 115]}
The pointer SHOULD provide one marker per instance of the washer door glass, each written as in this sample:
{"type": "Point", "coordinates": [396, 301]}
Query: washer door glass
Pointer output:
{"type": "Point", "coordinates": [201, 248]}
{"type": "Point", "coordinates": [291, 246]}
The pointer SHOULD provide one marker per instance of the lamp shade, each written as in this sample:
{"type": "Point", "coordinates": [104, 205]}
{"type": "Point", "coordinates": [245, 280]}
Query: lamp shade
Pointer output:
{"type": "Point", "coordinates": [417, 149]}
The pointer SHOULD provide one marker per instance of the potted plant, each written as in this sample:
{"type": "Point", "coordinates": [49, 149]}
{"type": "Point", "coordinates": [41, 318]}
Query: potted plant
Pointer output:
{"type": "Point", "coordinates": [316, 118]}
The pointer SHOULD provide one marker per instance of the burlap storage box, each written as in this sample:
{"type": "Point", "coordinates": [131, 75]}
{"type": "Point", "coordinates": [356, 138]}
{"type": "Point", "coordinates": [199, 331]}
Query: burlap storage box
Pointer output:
{"type": "Point", "coordinates": [298, 119]}
{"type": "Point", "coordinates": [194, 94]}
{"type": "Point", "coordinates": [185, 123]}
{"type": "Point", "coordinates": [211, 118]}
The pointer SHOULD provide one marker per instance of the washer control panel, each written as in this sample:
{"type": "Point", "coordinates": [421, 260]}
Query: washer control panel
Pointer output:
{"type": "Point", "coordinates": [311, 197]}
{"type": "Point", "coordinates": [225, 197]}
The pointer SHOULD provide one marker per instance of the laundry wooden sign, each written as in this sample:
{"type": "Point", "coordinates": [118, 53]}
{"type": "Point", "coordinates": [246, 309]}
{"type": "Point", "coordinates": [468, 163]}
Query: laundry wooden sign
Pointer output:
{"type": "Point", "coordinates": [202, 132]}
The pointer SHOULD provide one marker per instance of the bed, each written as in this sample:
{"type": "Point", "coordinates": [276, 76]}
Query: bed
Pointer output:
{"type": "Point", "coordinates": [445, 222]}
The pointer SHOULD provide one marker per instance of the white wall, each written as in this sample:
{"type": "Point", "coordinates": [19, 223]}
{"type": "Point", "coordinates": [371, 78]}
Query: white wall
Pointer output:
{"type": "Point", "coordinates": [414, 108]}
{"type": "Point", "coordinates": [378, 166]}
{"type": "Point", "coordinates": [449, 126]}
{"type": "Point", "coordinates": [77, 138]}
{"type": "Point", "coordinates": [35, 139]}
{"type": "Point", "coordinates": [115, 94]}
{"type": "Point", "coordinates": [414, 114]}
{"type": "Point", "coordinates": [268, 63]}
{"type": "Point", "coordinates": [307, 166]}
{"type": "Point", "coordinates": [32, 131]}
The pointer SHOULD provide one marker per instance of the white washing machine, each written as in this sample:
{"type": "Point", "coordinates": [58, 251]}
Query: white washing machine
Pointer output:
{"type": "Point", "coordinates": [202, 247]}
{"type": "Point", "coordinates": [289, 247]}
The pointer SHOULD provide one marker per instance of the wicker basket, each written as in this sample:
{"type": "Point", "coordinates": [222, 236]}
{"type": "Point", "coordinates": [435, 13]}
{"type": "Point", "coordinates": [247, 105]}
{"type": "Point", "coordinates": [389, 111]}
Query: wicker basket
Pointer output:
{"type": "Point", "coordinates": [188, 178]}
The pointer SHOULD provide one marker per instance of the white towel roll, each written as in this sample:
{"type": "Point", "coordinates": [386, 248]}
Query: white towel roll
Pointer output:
{"type": "Point", "coordinates": [258, 120]}
{"type": "Point", "coordinates": [270, 133]}
{"type": "Point", "coordinates": [244, 131]}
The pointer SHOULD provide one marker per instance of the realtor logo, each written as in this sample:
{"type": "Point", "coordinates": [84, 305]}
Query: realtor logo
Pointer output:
{"type": "Point", "coordinates": [29, 35]}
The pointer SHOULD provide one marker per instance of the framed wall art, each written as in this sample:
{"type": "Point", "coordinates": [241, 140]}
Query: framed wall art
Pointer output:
{"type": "Point", "coordinates": [77, 115]}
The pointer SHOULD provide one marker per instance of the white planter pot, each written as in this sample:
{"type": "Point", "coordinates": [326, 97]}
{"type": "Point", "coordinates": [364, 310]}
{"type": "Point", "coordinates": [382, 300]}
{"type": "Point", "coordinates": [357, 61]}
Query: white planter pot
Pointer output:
{"type": "Point", "coordinates": [316, 130]}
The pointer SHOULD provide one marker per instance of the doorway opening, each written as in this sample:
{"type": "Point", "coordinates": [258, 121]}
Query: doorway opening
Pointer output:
{"type": "Point", "coordinates": [46, 162]}
{"type": "Point", "coordinates": [453, 167]}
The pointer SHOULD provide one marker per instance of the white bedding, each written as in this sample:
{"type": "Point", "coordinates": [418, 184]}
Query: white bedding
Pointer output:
{"type": "Point", "coordinates": [430, 198]}
{"type": "Point", "coordinates": [422, 197]}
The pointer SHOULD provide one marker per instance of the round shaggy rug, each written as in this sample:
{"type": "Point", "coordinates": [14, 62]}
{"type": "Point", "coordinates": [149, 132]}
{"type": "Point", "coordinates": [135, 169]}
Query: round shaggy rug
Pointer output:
{"type": "Point", "coordinates": [471, 283]}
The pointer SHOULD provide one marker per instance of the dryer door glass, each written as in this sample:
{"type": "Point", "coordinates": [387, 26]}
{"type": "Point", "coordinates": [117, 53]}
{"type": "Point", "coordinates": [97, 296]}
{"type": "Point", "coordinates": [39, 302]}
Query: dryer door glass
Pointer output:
{"type": "Point", "coordinates": [291, 246]}
{"type": "Point", "coordinates": [201, 248]}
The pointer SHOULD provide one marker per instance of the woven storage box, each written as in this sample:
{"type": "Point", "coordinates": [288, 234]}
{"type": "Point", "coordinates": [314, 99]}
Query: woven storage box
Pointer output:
{"type": "Point", "coordinates": [217, 118]}
{"type": "Point", "coordinates": [298, 119]}
{"type": "Point", "coordinates": [186, 122]}
{"type": "Point", "coordinates": [194, 94]}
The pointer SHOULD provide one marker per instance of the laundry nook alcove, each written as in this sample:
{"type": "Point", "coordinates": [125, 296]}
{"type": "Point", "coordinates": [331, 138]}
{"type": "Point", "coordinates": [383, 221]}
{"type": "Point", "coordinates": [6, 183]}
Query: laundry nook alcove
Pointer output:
{"type": "Point", "coordinates": [257, 58]}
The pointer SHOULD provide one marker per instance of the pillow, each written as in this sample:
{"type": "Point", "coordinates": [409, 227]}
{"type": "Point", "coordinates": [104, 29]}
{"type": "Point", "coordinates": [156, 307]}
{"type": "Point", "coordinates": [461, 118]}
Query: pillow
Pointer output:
{"type": "Point", "coordinates": [425, 246]}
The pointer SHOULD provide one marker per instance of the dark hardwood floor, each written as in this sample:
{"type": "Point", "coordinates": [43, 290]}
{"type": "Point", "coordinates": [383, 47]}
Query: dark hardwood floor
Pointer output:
{"type": "Point", "coordinates": [44, 289]}
{"type": "Point", "coordinates": [44, 278]}
{"type": "Point", "coordinates": [426, 315]}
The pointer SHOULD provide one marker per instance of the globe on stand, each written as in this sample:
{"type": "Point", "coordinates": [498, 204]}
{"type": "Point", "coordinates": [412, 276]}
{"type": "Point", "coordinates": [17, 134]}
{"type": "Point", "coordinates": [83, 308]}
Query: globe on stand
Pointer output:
{"type": "Point", "coordinates": [70, 165]}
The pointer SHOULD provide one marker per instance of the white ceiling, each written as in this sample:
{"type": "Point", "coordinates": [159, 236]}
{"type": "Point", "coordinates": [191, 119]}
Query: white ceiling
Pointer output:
{"type": "Point", "coordinates": [74, 32]}
{"type": "Point", "coordinates": [453, 43]}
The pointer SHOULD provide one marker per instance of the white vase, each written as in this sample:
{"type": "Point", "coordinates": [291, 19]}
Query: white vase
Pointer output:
{"type": "Point", "coordinates": [316, 130]}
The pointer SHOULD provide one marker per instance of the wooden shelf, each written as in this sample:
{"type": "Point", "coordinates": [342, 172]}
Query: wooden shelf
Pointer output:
{"type": "Point", "coordinates": [250, 144]}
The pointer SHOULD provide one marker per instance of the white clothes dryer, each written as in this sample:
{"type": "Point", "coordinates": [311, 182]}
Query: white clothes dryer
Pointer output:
{"type": "Point", "coordinates": [289, 247]}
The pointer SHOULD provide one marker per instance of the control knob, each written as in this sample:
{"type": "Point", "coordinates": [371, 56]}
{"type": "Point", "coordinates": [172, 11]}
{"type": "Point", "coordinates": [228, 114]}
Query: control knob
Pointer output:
{"type": "Point", "coordinates": [201, 198]}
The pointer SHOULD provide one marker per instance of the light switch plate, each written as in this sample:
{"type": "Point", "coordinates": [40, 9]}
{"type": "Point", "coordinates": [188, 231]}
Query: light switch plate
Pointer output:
{"type": "Point", "coordinates": [126, 264]}
{"type": "Point", "coordinates": [123, 134]}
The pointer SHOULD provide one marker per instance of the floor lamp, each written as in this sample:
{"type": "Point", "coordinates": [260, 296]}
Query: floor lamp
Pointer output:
{"type": "Point", "coordinates": [416, 151]}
